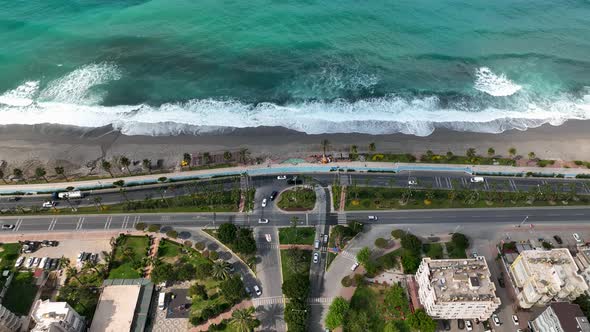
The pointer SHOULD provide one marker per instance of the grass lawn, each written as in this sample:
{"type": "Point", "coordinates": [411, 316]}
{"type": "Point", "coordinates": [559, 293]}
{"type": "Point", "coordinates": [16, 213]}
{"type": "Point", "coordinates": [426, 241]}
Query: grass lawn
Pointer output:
{"type": "Point", "coordinates": [330, 258]}
{"type": "Point", "coordinates": [454, 251]}
{"type": "Point", "coordinates": [336, 194]}
{"type": "Point", "coordinates": [375, 198]}
{"type": "Point", "coordinates": [433, 250]}
{"type": "Point", "coordinates": [128, 258]}
{"type": "Point", "coordinates": [294, 261]}
{"type": "Point", "coordinates": [169, 249]}
{"type": "Point", "coordinates": [297, 199]}
{"type": "Point", "coordinates": [299, 235]}
{"type": "Point", "coordinates": [8, 255]}
{"type": "Point", "coordinates": [369, 304]}
{"type": "Point", "coordinates": [21, 293]}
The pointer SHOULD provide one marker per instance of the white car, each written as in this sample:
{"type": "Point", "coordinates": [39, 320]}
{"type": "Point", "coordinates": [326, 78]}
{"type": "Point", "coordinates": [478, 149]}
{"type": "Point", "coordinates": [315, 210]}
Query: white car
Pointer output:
{"type": "Point", "coordinates": [354, 266]}
{"type": "Point", "coordinates": [19, 261]}
{"type": "Point", "coordinates": [257, 290]}
{"type": "Point", "coordinates": [316, 257]}
{"type": "Point", "coordinates": [264, 202]}
{"type": "Point", "coordinates": [412, 182]}
{"type": "Point", "coordinates": [577, 238]}
{"type": "Point", "coordinates": [49, 204]}
{"type": "Point", "coordinates": [268, 238]}
{"type": "Point", "coordinates": [373, 218]}
{"type": "Point", "coordinates": [7, 226]}
{"type": "Point", "coordinates": [29, 262]}
{"type": "Point", "coordinates": [36, 261]}
{"type": "Point", "coordinates": [476, 179]}
{"type": "Point", "coordinates": [515, 320]}
{"type": "Point", "coordinates": [468, 325]}
{"type": "Point", "coordinates": [263, 221]}
{"type": "Point", "coordinates": [496, 320]}
{"type": "Point", "coordinates": [282, 177]}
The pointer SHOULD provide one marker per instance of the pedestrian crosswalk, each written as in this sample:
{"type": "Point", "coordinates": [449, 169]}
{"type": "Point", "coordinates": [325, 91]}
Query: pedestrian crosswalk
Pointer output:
{"type": "Point", "coordinates": [348, 255]}
{"type": "Point", "coordinates": [320, 300]}
{"type": "Point", "coordinates": [262, 301]}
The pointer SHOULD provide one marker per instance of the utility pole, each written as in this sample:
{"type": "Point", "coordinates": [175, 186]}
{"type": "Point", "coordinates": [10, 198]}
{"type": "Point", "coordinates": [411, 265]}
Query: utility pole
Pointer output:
{"type": "Point", "coordinates": [523, 221]}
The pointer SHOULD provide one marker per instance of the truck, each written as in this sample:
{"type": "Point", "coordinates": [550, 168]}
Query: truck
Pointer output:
{"type": "Point", "coordinates": [70, 194]}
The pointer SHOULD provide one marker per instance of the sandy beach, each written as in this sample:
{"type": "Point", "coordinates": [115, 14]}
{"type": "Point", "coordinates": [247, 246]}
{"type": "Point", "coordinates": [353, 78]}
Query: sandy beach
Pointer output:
{"type": "Point", "coordinates": [74, 147]}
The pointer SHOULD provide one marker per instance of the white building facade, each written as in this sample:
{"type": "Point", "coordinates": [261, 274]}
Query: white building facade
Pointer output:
{"type": "Point", "coordinates": [9, 322]}
{"type": "Point", "coordinates": [457, 288]}
{"type": "Point", "coordinates": [544, 276]}
{"type": "Point", "coordinates": [56, 317]}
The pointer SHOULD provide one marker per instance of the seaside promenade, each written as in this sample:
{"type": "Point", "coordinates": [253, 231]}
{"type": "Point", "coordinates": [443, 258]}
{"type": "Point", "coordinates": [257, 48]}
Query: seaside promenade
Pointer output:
{"type": "Point", "coordinates": [299, 168]}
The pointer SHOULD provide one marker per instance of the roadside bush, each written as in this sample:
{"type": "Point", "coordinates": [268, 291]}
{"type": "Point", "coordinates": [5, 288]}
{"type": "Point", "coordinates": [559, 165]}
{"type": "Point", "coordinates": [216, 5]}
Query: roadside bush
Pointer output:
{"type": "Point", "coordinates": [346, 281]}
{"type": "Point", "coordinates": [381, 243]}
{"type": "Point", "coordinates": [205, 253]}
{"type": "Point", "coordinates": [172, 234]}
{"type": "Point", "coordinates": [397, 233]}
{"type": "Point", "coordinates": [213, 255]}
{"type": "Point", "coordinates": [200, 246]}
{"type": "Point", "coordinates": [188, 243]}
{"type": "Point", "coordinates": [359, 279]}
{"type": "Point", "coordinates": [140, 226]}
{"type": "Point", "coordinates": [153, 228]}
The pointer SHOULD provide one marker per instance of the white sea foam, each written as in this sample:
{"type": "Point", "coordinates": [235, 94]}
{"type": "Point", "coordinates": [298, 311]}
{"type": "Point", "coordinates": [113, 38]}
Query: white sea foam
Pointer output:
{"type": "Point", "coordinates": [21, 96]}
{"type": "Point", "coordinates": [384, 115]}
{"type": "Point", "coordinates": [495, 85]}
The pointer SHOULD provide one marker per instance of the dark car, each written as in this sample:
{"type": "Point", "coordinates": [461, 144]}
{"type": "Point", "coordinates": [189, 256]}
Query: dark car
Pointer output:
{"type": "Point", "coordinates": [446, 325]}
{"type": "Point", "coordinates": [460, 324]}
{"type": "Point", "coordinates": [297, 181]}
{"type": "Point", "coordinates": [501, 282]}
{"type": "Point", "coordinates": [558, 239]}
{"type": "Point", "coordinates": [14, 199]}
{"type": "Point", "coordinates": [273, 195]}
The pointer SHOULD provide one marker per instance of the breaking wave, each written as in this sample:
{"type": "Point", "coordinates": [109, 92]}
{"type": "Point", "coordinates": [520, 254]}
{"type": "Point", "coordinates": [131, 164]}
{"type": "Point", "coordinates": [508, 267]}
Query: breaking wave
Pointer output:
{"type": "Point", "coordinates": [75, 100]}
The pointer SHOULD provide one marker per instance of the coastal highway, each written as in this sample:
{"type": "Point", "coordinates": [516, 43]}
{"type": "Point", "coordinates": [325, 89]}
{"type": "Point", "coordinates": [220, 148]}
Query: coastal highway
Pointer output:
{"type": "Point", "coordinates": [424, 179]}
{"type": "Point", "coordinates": [123, 222]}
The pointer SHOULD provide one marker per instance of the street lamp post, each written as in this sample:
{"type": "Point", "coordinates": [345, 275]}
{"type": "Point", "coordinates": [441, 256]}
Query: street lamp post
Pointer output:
{"type": "Point", "coordinates": [523, 221]}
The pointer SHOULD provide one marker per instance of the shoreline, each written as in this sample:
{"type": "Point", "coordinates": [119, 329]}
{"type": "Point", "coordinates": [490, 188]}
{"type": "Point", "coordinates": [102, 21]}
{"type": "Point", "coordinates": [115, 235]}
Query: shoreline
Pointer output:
{"type": "Point", "coordinates": [30, 146]}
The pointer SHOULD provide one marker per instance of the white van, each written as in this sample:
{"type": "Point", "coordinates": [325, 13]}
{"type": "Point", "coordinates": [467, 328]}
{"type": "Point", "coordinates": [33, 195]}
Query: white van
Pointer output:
{"type": "Point", "coordinates": [477, 179]}
{"type": "Point", "coordinates": [316, 244]}
{"type": "Point", "coordinates": [162, 301]}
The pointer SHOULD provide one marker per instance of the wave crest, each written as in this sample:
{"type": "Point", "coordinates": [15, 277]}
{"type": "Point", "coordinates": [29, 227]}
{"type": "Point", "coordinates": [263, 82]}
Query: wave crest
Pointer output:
{"type": "Point", "coordinates": [494, 85]}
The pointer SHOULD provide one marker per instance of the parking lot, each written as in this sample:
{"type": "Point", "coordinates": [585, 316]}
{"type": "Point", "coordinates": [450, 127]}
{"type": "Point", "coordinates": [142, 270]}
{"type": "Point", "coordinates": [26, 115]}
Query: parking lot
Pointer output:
{"type": "Point", "coordinates": [71, 248]}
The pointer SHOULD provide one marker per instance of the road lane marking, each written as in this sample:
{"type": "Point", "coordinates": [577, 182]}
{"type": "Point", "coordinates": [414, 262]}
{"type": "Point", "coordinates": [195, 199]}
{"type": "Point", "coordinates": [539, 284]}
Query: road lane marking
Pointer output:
{"type": "Point", "coordinates": [17, 225]}
{"type": "Point", "coordinates": [268, 300]}
{"type": "Point", "coordinates": [165, 218]}
{"type": "Point", "coordinates": [79, 224]}
{"type": "Point", "coordinates": [449, 183]}
{"type": "Point", "coordinates": [513, 185]}
{"type": "Point", "coordinates": [136, 220]}
{"type": "Point", "coordinates": [107, 223]}
{"type": "Point", "coordinates": [125, 222]}
{"type": "Point", "coordinates": [52, 224]}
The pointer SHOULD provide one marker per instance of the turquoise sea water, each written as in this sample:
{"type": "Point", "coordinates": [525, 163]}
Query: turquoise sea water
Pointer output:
{"type": "Point", "coordinates": [165, 67]}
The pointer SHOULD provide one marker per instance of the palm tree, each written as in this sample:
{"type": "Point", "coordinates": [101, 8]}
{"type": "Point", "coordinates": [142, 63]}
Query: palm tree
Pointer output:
{"type": "Point", "coordinates": [449, 155]}
{"type": "Point", "coordinates": [59, 170]}
{"type": "Point", "coordinates": [512, 152]}
{"type": "Point", "coordinates": [98, 201]}
{"type": "Point", "coordinates": [227, 156]}
{"type": "Point", "coordinates": [353, 149]}
{"type": "Point", "coordinates": [206, 158]}
{"type": "Point", "coordinates": [491, 152]}
{"type": "Point", "coordinates": [372, 147]}
{"type": "Point", "coordinates": [63, 262]}
{"type": "Point", "coordinates": [40, 172]}
{"type": "Point", "coordinates": [221, 270]}
{"type": "Point", "coordinates": [325, 145]}
{"type": "Point", "coordinates": [2, 176]}
{"type": "Point", "coordinates": [107, 167]}
{"type": "Point", "coordinates": [18, 173]}
{"type": "Point", "coordinates": [121, 184]}
{"type": "Point", "coordinates": [242, 320]}
{"type": "Point", "coordinates": [532, 155]}
{"type": "Point", "coordinates": [470, 153]}
{"type": "Point", "coordinates": [72, 272]}
{"type": "Point", "coordinates": [125, 162]}
{"type": "Point", "coordinates": [243, 155]}
{"type": "Point", "coordinates": [147, 164]}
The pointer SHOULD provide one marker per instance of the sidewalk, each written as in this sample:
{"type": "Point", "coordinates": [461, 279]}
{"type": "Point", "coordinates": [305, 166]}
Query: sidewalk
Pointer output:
{"type": "Point", "coordinates": [270, 169]}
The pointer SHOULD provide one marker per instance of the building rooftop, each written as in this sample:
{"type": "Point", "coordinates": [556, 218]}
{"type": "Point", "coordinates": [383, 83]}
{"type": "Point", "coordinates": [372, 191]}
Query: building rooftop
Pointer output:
{"type": "Point", "coordinates": [551, 266]}
{"type": "Point", "coordinates": [45, 313]}
{"type": "Point", "coordinates": [571, 318]}
{"type": "Point", "coordinates": [116, 308]}
{"type": "Point", "coordinates": [461, 280]}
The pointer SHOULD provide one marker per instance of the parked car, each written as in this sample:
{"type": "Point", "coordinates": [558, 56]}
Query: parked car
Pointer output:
{"type": "Point", "coordinates": [326, 238]}
{"type": "Point", "coordinates": [316, 257]}
{"type": "Point", "coordinates": [94, 258]}
{"type": "Point", "coordinates": [36, 261]}
{"type": "Point", "coordinates": [248, 291]}
{"type": "Point", "coordinates": [446, 325]}
{"type": "Point", "coordinates": [80, 256]}
{"type": "Point", "coordinates": [460, 324]}
{"type": "Point", "coordinates": [354, 266]}
{"type": "Point", "coordinates": [468, 325]}
{"type": "Point", "coordinates": [577, 238]}
{"type": "Point", "coordinates": [515, 320]}
{"type": "Point", "coordinates": [29, 262]}
{"type": "Point", "coordinates": [257, 290]}
{"type": "Point", "coordinates": [7, 227]}
{"type": "Point", "coordinates": [263, 202]}
{"type": "Point", "coordinates": [282, 177]}
{"type": "Point", "coordinates": [496, 320]}
{"type": "Point", "coordinates": [316, 244]}
{"type": "Point", "coordinates": [558, 239]}
{"type": "Point", "coordinates": [501, 282]}
{"type": "Point", "coordinates": [263, 221]}
{"type": "Point", "coordinates": [54, 264]}
{"type": "Point", "coordinates": [19, 261]}
{"type": "Point", "coordinates": [273, 195]}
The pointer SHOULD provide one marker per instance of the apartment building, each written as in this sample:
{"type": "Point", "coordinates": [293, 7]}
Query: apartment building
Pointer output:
{"type": "Point", "coordinates": [9, 322]}
{"type": "Point", "coordinates": [544, 276]}
{"type": "Point", "coordinates": [56, 317]}
{"type": "Point", "coordinates": [560, 317]}
{"type": "Point", "coordinates": [457, 288]}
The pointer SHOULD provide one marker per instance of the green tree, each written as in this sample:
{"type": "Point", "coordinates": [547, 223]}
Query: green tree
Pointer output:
{"type": "Point", "coordinates": [359, 321]}
{"type": "Point", "coordinates": [233, 289]}
{"type": "Point", "coordinates": [162, 179]}
{"type": "Point", "coordinates": [243, 320]}
{"type": "Point", "coordinates": [411, 242]}
{"type": "Point", "coordinates": [140, 226]}
{"type": "Point", "coordinates": [420, 321]}
{"type": "Point", "coordinates": [227, 233]}
{"type": "Point", "coordinates": [491, 152]}
{"type": "Point", "coordinates": [395, 297]}
{"type": "Point", "coordinates": [198, 290]}
{"type": "Point", "coordinates": [147, 164]}
{"type": "Point", "coordinates": [532, 155]}
{"type": "Point", "coordinates": [172, 234]}
{"type": "Point", "coordinates": [364, 256]}
{"type": "Point", "coordinates": [221, 270]}
{"type": "Point", "coordinates": [227, 156]}
{"type": "Point", "coordinates": [186, 157]}
{"type": "Point", "coordinates": [162, 272]}
{"type": "Point", "coordinates": [337, 313]}
{"type": "Point", "coordinates": [449, 155]}
{"type": "Point", "coordinates": [40, 172]}
{"type": "Point", "coordinates": [2, 176]}
{"type": "Point", "coordinates": [296, 287]}
{"type": "Point", "coordinates": [59, 170]}
{"type": "Point", "coordinates": [244, 155]}
{"type": "Point", "coordinates": [353, 149]}
{"type": "Point", "coordinates": [18, 173]}
{"type": "Point", "coordinates": [460, 240]}
{"type": "Point", "coordinates": [296, 313]}
{"type": "Point", "coordinates": [106, 166]}
{"type": "Point", "coordinates": [325, 145]}
{"type": "Point", "coordinates": [372, 147]}
{"type": "Point", "coordinates": [244, 242]}
{"type": "Point", "coordinates": [125, 162]}
{"type": "Point", "coordinates": [206, 158]}
{"type": "Point", "coordinates": [512, 152]}
{"type": "Point", "coordinates": [470, 153]}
